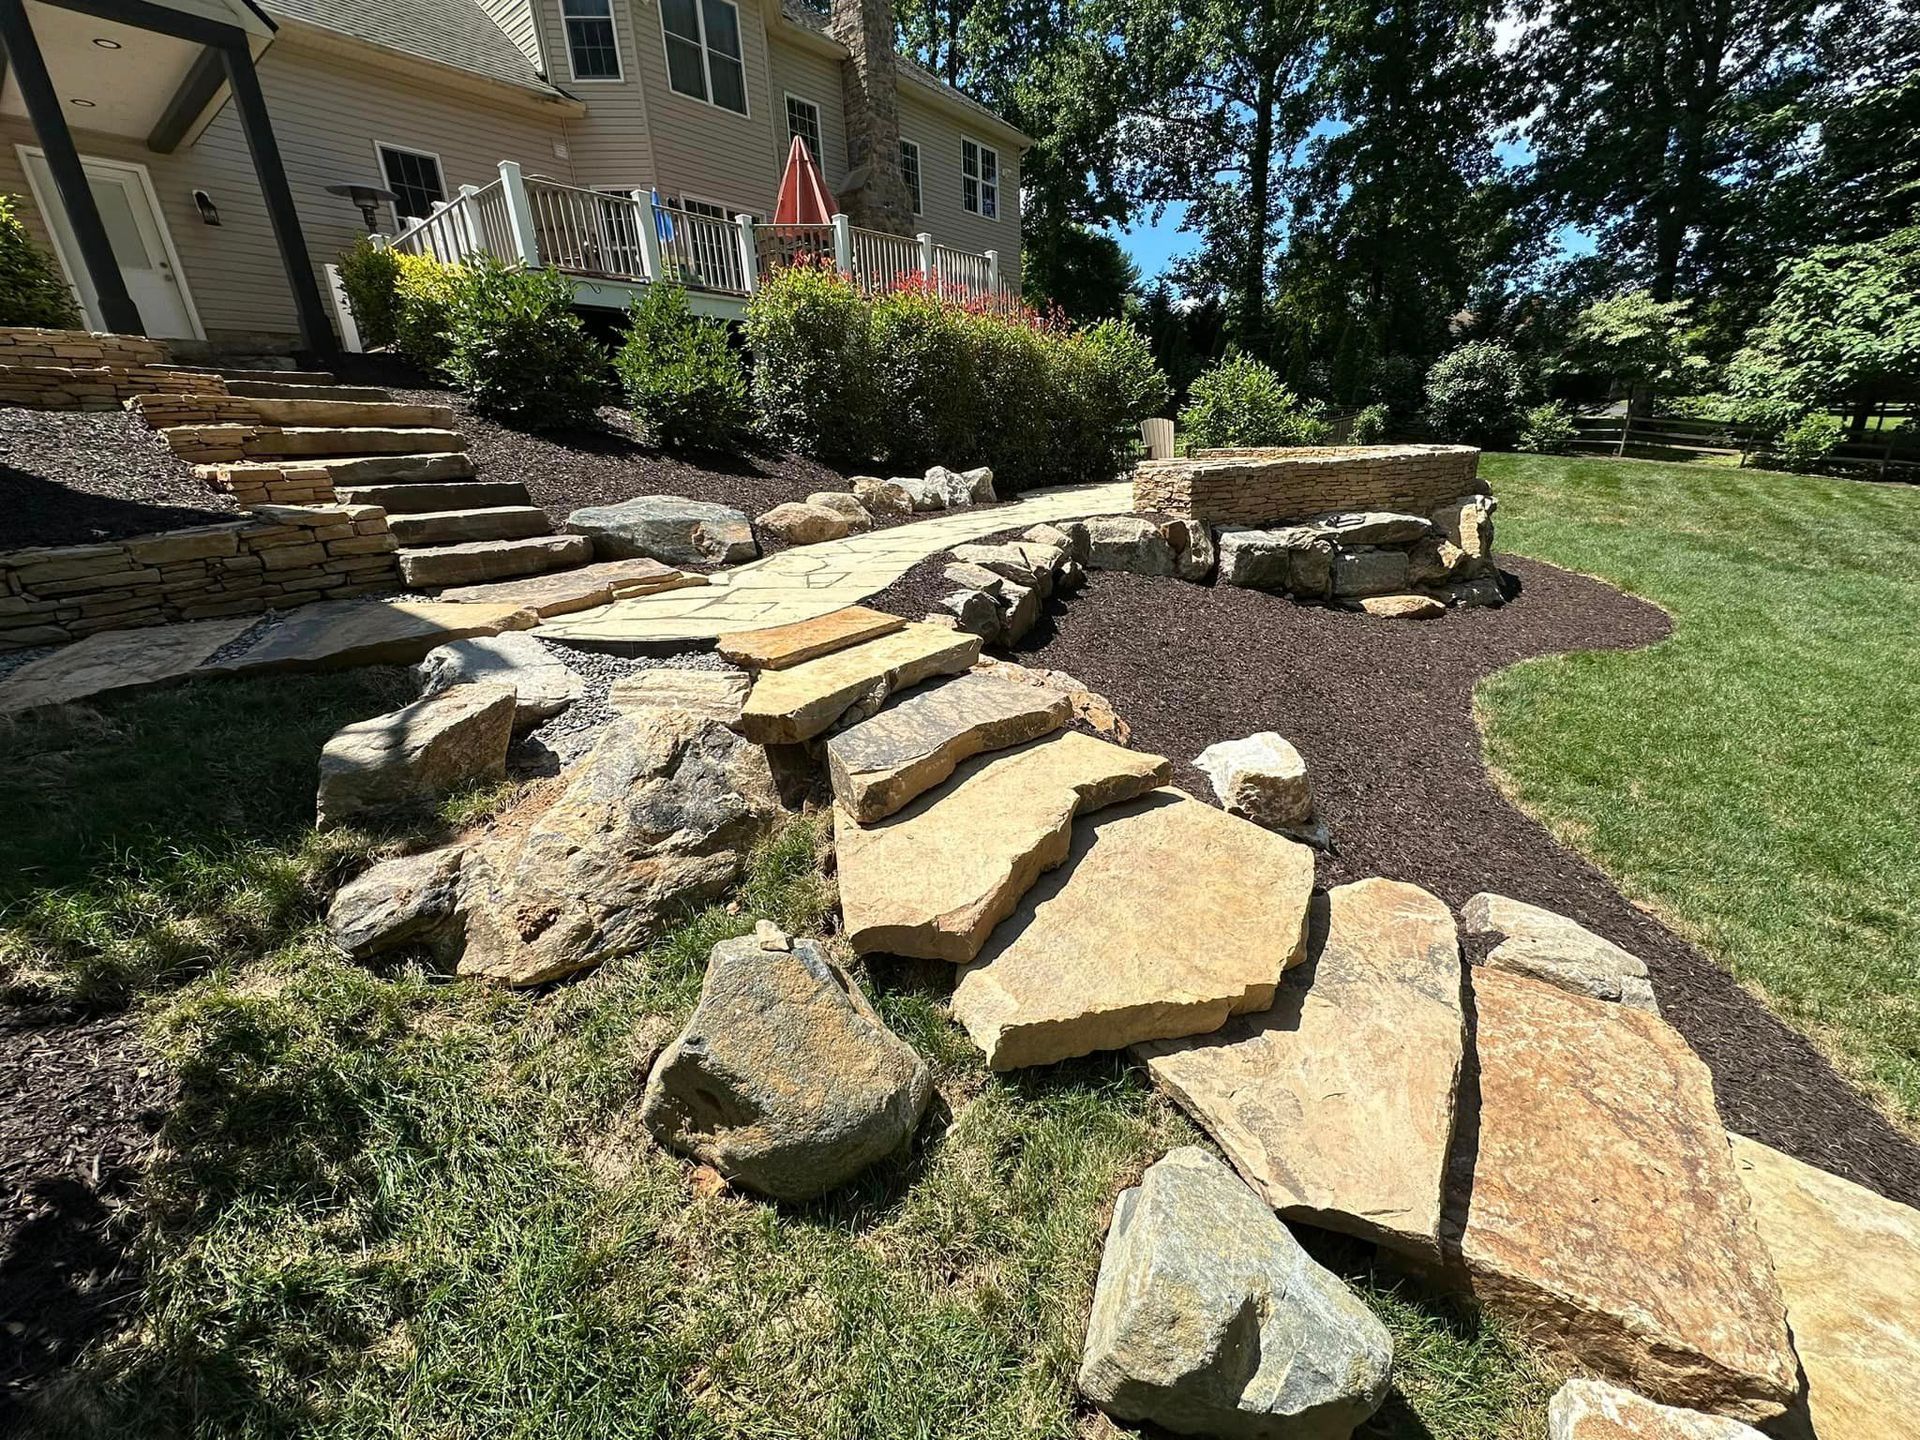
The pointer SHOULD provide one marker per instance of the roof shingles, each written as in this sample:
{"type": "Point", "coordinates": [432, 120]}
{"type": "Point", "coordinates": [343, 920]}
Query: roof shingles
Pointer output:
{"type": "Point", "coordinates": [447, 32]}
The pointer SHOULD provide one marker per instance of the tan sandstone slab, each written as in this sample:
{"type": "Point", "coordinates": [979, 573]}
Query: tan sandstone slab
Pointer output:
{"type": "Point", "coordinates": [933, 880]}
{"type": "Point", "coordinates": [1595, 1410]}
{"type": "Point", "coordinates": [1848, 1262]}
{"type": "Point", "coordinates": [118, 660]}
{"type": "Point", "coordinates": [1167, 918]}
{"type": "Point", "coordinates": [718, 693]}
{"type": "Point", "coordinates": [1337, 1105]}
{"type": "Point", "coordinates": [779, 647]}
{"type": "Point", "coordinates": [796, 704]}
{"type": "Point", "coordinates": [563, 592]}
{"type": "Point", "coordinates": [1605, 1213]}
{"type": "Point", "coordinates": [908, 748]}
{"type": "Point", "coordinates": [337, 634]}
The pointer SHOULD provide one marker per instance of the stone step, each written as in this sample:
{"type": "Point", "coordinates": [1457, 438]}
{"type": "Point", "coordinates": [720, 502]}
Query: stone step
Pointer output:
{"type": "Point", "coordinates": [281, 390]}
{"type": "Point", "coordinates": [780, 647]}
{"type": "Point", "coordinates": [563, 592]}
{"type": "Point", "coordinates": [356, 470]}
{"type": "Point", "coordinates": [455, 527]}
{"type": "Point", "coordinates": [333, 414]}
{"type": "Point", "coordinates": [285, 377]}
{"type": "Point", "coordinates": [400, 498]}
{"type": "Point", "coordinates": [215, 444]}
{"type": "Point", "coordinates": [434, 566]}
{"type": "Point", "coordinates": [792, 705]}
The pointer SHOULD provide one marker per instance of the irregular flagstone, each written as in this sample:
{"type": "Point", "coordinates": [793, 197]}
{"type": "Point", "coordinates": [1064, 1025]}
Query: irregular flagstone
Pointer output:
{"type": "Point", "coordinates": [779, 647]}
{"type": "Point", "coordinates": [1168, 917]}
{"type": "Point", "coordinates": [1551, 948]}
{"type": "Point", "coordinates": [1594, 1201]}
{"type": "Point", "coordinates": [563, 592]}
{"type": "Point", "coordinates": [1595, 1410]}
{"type": "Point", "coordinates": [908, 748]}
{"type": "Point", "coordinates": [336, 634]}
{"type": "Point", "coordinates": [785, 1080]}
{"type": "Point", "coordinates": [1848, 1263]}
{"type": "Point", "coordinates": [933, 880]}
{"type": "Point", "coordinates": [788, 706]}
{"type": "Point", "coordinates": [718, 693]}
{"type": "Point", "coordinates": [115, 661]}
{"type": "Point", "coordinates": [1090, 708]}
{"type": "Point", "coordinates": [420, 750]}
{"type": "Point", "coordinates": [1337, 1105]}
{"type": "Point", "coordinates": [1210, 1319]}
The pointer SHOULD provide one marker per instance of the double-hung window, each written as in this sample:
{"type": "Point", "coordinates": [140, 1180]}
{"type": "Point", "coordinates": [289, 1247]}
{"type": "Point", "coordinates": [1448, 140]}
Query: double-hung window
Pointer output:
{"type": "Point", "coordinates": [592, 48]}
{"type": "Point", "coordinates": [979, 179]}
{"type": "Point", "coordinates": [803, 120]}
{"type": "Point", "coordinates": [910, 172]}
{"type": "Point", "coordinates": [703, 51]}
{"type": "Point", "coordinates": [414, 178]}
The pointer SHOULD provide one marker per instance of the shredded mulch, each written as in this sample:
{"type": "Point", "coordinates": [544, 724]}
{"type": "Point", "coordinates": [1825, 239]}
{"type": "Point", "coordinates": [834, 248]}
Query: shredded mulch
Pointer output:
{"type": "Point", "coordinates": [84, 1102]}
{"type": "Point", "coordinates": [71, 478]}
{"type": "Point", "coordinates": [1382, 711]}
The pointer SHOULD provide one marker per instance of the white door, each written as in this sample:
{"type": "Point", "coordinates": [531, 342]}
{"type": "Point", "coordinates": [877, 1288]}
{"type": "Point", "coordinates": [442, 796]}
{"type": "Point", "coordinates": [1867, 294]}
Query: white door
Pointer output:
{"type": "Point", "coordinates": [137, 234]}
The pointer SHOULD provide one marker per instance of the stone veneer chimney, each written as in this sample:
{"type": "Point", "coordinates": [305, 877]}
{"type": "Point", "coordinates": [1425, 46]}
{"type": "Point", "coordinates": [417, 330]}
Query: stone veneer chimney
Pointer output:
{"type": "Point", "coordinates": [875, 195]}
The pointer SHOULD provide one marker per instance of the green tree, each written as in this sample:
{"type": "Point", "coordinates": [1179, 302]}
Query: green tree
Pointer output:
{"type": "Point", "coordinates": [31, 290]}
{"type": "Point", "coordinates": [1085, 272]}
{"type": "Point", "coordinates": [1637, 342]}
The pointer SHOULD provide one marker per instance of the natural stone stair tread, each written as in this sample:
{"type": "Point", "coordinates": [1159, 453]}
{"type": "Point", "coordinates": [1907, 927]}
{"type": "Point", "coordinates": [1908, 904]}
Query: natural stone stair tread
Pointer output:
{"type": "Point", "coordinates": [283, 390]}
{"type": "Point", "coordinates": [564, 591]}
{"type": "Point", "coordinates": [299, 442]}
{"type": "Point", "coordinates": [933, 880]}
{"type": "Point", "coordinates": [428, 467]}
{"type": "Point", "coordinates": [472, 561]}
{"type": "Point", "coordinates": [113, 661]}
{"type": "Point", "coordinates": [453, 527]}
{"type": "Point", "coordinates": [1167, 918]}
{"type": "Point", "coordinates": [430, 497]}
{"type": "Point", "coordinates": [788, 706]}
{"type": "Point", "coordinates": [779, 647]}
{"type": "Point", "coordinates": [336, 634]}
{"type": "Point", "coordinates": [287, 377]}
{"type": "Point", "coordinates": [311, 414]}
{"type": "Point", "coordinates": [881, 764]}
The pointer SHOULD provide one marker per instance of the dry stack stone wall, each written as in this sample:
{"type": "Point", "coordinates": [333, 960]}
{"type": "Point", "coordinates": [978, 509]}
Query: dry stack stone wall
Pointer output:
{"type": "Point", "coordinates": [253, 485]}
{"type": "Point", "coordinates": [281, 557]}
{"type": "Point", "coordinates": [77, 370]}
{"type": "Point", "coordinates": [1267, 487]}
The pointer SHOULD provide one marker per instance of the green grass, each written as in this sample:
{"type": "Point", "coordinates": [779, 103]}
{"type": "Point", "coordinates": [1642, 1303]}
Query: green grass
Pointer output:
{"type": "Point", "coordinates": [392, 1205]}
{"type": "Point", "coordinates": [1756, 779]}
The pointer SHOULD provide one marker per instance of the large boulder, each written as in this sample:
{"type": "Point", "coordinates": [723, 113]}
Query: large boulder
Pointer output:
{"type": "Point", "coordinates": [974, 611]}
{"type": "Point", "coordinates": [666, 527]}
{"type": "Point", "coordinates": [1369, 527]}
{"type": "Point", "coordinates": [407, 901]}
{"type": "Point", "coordinates": [1468, 523]}
{"type": "Point", "coordinates": [801, 524]}
{"type": "Point", "coordinates": [1194, 551]}
{"type": "Point", "coordinates": [882, 497]}
{"type": "Point", "coordinates": [1261, 778]}
{"type": "Point", "coordinates": [1368, 572]}
{"type": "Point", "coordinates": [979, 485]}
{"type": "Point", "coordinates": [543, 685]}
{"type": "Point", "coordinates": [1338, 1104]}
{"type": "Point", "coordinates": [659, 815]}
{"type": "Point", "coordinates": [1595, 1410]}
{"type": "Point", "coordinates": [418, 752]}
{"type": "Point", "coordinates": [846, 505]}
{"type": "Point", "coordinates": [1292, 560]}
{"type": "Point", "coordinates": [1069, 535]}
{"type": "Point", "coordinates": [1210, 1319]}
{"type": "Point", "coordinates": [1022, 564]}
{"type": "Point", "coordinates": [1549, 947]}
{"type": "Point", "coordinates": [1128, 542]}
{"type": "Point", "coordinates": [785, 1080]}
{"type": "Point", "coordinates": [954, 489]}
{"type": "Point", "coordinates": [1436, 560]}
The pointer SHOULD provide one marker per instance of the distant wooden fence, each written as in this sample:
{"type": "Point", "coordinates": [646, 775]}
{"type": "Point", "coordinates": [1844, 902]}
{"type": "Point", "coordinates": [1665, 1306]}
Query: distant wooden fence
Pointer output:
{"type": "Point", "coordinates": [1889, 453]}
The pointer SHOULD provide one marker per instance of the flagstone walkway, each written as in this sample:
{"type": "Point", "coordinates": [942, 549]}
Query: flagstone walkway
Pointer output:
{"type": "Point", "coordinates": [809, 581]}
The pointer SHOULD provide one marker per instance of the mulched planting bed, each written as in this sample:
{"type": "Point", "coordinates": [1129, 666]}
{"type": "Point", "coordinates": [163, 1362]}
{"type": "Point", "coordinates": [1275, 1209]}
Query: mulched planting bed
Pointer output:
{"type": "Point", "coordinates": [74, 477]}
{"type": "Point", "coordinates": [1383, 712]}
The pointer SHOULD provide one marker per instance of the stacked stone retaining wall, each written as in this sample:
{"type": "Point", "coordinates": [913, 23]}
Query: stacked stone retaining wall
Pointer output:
{"type": "Point", "coordinates": [1268, 487]}
{"type": "Point", "coordinates": [79, 370]}
{"type": "Point", "coordinates": [253, 485]}
{"type": "Point", "coordinates": [281, 557]}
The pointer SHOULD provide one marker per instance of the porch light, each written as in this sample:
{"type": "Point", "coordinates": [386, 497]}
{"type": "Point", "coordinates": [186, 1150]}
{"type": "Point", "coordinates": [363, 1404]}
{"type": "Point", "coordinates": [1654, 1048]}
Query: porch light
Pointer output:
{"type": "Point", "coordinates": [209, 212]}
{"type": "Point", "coordinates": [83, 104]}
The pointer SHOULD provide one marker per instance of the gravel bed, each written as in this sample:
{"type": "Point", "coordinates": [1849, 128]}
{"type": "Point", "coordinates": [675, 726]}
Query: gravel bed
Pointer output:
{"type": "Point", "coordinates": [569, 734]}
{"type": "Point", "coordinates": [1382, 711]}
{"type": "Point", "coordinates": [13, 660]}
{"type": "Point", "coordinates": [74, 477]}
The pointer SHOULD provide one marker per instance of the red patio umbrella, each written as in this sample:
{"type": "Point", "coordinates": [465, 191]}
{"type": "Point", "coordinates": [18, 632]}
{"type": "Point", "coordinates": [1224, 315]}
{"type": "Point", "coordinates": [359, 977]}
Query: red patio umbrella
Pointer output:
{"type": "Point", "coordinates": [804, 198]}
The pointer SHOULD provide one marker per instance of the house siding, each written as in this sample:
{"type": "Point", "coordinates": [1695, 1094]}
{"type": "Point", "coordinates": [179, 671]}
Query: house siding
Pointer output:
{"type": "Point", "coordinates": [815, 77]}
{"type": "Point", "coordinates": [516, 21]}
{"type": "Point", "coordinates": [938, 132]}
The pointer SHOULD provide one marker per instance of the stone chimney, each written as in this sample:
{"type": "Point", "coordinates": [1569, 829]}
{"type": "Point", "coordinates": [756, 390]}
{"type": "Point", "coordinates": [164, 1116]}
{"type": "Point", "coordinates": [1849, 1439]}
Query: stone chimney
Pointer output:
{"type": "Point", "coordinates": [875, 194]}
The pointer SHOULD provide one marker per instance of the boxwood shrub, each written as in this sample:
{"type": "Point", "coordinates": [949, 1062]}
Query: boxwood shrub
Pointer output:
{"type": "Point", "coordinates": [519, 350]}
{"type": "Point", "coordinates": [684, 384]}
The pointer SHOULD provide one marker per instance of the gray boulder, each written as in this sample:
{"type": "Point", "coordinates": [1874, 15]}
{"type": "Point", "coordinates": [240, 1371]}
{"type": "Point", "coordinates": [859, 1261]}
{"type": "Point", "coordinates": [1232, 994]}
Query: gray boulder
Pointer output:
{"type": "Point", "coordinates": [955, 489]}
{"type": "Point", "coordinates": [785, 1080]}
{"type": "Point", "coordinates": [1128, 542]}
{"type": "Point", "coordinates": [408, 901]}
{"type": "Point", "coordinates": [1369, 572]}
{"type": "Point", "coordinates": [1292, 560]}
{"type": "Point", "coordinates": [1369, 527]}
{"type": "Point", "coordinates": [666, 527]}
{"type": "Point", "coordinates": [542, 684]}
{"type": "Point", "coordinates": [1209, 1319]}
{"type": "Point", "coordinates": [1261, 778]}
{"type": "Point", "coordinates": [979, 485]}
{"type": "Point", "coordinates": [1070, 535]}
{"type": "Point", "coordinates": [418, 752]}
{"type": "Point", "coordinates": [1019, 611]}
{"type": "Point", "coordinates": [976, 612]}
{"type": "Point", "coordinates": [1023, 565]}
{"type": "Point", "coordinates": [1194, 551]}
{"type": "Point", "coordinates": [974, 577]}
{"type": "Point", "coordinates": [803, 524]}
{"type": "Point", "coordinates": [1557, 951]}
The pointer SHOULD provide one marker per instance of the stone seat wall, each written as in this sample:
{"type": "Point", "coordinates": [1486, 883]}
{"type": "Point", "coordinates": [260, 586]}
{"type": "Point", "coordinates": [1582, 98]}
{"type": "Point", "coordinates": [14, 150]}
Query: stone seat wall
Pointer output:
{"type": "Point", "coordinates": [1279, 486]}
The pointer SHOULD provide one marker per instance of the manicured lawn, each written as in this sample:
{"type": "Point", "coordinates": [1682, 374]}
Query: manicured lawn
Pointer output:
{"type": "Point", "coordinates": [1755, 779]}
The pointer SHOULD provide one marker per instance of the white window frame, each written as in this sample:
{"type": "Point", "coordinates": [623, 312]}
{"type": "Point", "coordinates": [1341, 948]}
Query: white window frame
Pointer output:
{"type": "Point", "coordinates": [980, 181]}
{"type": "Point", "coordinates": [916, 193]}
{"type": "Point", "coordinates": [619, 57]}
{"type": "Point", "coordinates": [819, 125]}
{"type": "Point", "coordinates": [706, 59]}
{"type": "Point", "coordinates": [380, 163]}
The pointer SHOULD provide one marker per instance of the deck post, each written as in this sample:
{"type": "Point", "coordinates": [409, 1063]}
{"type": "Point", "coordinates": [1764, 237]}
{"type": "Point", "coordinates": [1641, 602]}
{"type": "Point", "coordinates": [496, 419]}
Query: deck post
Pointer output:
{"type": "Point", "coordinates": [513, 188]}
{"type": "Point", "coordinates": [749, 254]}
{"type": "Point", "coordinates": [843, 245]}
{"type": "Point", "coordinates": [929, 263]}
{"type": "Point", "coordinates": [470, 221]}
{"type": "Point", "coordinates": [993, 272]}
{"type": "Point", "coordinates": [650, 235]}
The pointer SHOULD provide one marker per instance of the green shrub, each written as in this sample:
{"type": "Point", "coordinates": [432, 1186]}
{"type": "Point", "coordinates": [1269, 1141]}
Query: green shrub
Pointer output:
{"type": "Point", "coordinates": [1242, 402]}
{"type": "Point", "coordinates": [1807, 442]}
{"type": "Point", "coordinates": [813, 373]}
{"type": "Point", "coordinates": [924, 363]}
{"type": "Point", "coordinates": [520, 351]}
{"type": "Point", "coordinates": [1547, 429]}
{"type": "Point", "coordinates": [1399, 383]}
{"type": "Point", "coordinates": [683, 382]}
{"type": "Point", "coordinates": [1474, 393]}
{"type": "Point", "coordinates": [31, 289]}
{"type": "Point", "coordinates": [369, 273]}
{"type": "Point", "coordinates": [425, 293]}
{"type": "Point", "coordinates": [1370, 425]}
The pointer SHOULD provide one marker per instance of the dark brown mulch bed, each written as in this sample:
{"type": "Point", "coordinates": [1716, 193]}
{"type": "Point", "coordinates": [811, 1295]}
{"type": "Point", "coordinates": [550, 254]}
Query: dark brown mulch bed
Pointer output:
{"type": "Point", "coordinates": [69, 478]}
{"type": "Point", "coordinates": [1382, 711]}
{"type": "Point", "coordinates": [84, 1101]}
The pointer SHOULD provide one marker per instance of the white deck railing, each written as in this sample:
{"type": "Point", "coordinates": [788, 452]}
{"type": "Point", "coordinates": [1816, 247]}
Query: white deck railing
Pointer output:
{"type": "Point", "coordinates": [628, 236]}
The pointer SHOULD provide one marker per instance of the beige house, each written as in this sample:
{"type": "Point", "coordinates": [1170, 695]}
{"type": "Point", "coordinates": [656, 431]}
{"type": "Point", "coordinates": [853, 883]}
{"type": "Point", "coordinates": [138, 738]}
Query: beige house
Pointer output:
{"type": "Point", "coordinates": [538, 130]}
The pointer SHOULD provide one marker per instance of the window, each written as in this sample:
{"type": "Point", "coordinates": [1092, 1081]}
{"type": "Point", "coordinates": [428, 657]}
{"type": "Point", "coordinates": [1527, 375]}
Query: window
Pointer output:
{"type": "Point", "coordinates": [592, 48]}
{"type": "Point", "coordinates": [979, 179]}
{"type": "Point", "coordinates": [703, 51]}
{"type": "Point", "coordinates": [910, 172]}
{"type": "Point", "coordinates": [803, 119]}
{"type": "Point", "coordinates": [414, 178]}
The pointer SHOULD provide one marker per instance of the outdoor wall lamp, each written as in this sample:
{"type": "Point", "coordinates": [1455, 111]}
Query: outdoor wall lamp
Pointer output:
{"type": "Point", "coordinates": [209, 212]}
